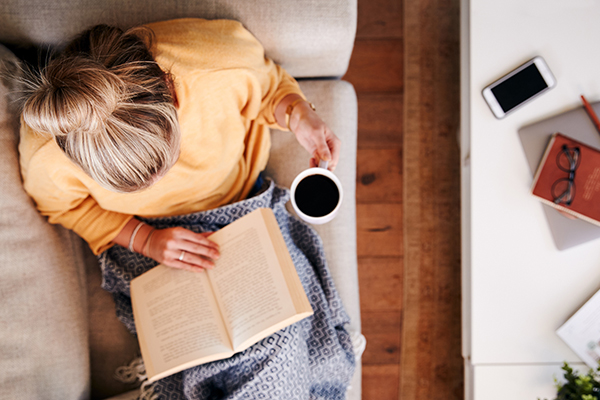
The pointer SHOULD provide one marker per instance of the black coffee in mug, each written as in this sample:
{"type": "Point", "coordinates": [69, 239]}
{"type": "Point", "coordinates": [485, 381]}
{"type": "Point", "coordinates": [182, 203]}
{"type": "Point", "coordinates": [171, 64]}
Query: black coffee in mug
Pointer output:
{"type": "Point", "coordinates": [317, 195]}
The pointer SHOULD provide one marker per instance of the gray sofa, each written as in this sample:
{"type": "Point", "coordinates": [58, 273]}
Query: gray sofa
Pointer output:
{"type": "Point", "coordinates": [59, 337]}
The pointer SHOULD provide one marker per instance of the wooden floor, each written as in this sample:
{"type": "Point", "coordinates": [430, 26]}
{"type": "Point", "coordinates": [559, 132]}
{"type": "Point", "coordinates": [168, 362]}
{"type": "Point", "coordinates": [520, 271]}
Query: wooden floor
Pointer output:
{"type": "Point", "coordinates": [405, 70]}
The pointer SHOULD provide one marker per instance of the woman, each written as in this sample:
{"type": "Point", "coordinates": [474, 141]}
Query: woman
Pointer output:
{"type": "Point", "coordinates": [124, 129]}
{"type": "Point", "coordinates": [142, 141]}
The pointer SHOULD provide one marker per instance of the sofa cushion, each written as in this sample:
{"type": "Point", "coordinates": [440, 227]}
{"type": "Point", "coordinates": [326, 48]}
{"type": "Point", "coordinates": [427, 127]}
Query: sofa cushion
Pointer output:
{"type": "Point", "coordinates": [43, 318]}
{"type": "Point", "coordinates": [308, 37]}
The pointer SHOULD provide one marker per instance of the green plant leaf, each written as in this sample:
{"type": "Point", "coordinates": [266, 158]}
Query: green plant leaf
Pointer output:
{"type": "Point", "coordinates": [578, 386]}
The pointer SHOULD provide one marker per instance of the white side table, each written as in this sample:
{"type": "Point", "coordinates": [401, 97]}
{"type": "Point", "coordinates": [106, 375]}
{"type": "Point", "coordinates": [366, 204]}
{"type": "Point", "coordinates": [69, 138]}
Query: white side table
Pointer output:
{"type": "Point", "coordinates": [517, 287]}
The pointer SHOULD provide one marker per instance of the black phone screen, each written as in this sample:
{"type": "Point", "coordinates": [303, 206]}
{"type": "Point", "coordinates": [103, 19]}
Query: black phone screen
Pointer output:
{"type": "Point", "coordinates": [519, 87]}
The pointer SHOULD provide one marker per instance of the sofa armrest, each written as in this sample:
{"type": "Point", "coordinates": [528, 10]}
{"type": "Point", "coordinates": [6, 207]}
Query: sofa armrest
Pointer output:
{"type": "Point", "coordinates": [336, 103]}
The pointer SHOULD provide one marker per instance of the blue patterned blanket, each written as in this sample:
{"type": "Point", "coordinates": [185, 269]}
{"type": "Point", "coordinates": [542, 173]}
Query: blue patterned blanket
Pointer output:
{"type": "Point", "coordinates": [311, 359]}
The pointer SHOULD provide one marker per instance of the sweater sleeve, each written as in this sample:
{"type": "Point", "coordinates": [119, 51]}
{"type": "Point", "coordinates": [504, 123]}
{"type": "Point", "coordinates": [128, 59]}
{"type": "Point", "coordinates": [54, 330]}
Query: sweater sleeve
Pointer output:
{"type": "Point", "coordinates": [283, 85]}
{"type": "Point", "coordinates": [192, 46]}
{"type": "Point", "coordinates": [275, 83]}
{"type": "Point", "coordinates": [98, 227]}
{"type": "Point", "coordinates": [64, 199]}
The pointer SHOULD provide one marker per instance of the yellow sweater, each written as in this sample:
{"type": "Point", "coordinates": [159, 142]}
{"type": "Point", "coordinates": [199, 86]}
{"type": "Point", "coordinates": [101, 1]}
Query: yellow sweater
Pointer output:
{"type": "Point", "coordinates": [227, 92]}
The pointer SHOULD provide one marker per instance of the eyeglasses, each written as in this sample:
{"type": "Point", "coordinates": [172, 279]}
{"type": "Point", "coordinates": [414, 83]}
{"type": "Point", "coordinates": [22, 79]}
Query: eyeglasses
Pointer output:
{"type": "Point", "coordinates": [563, 190]}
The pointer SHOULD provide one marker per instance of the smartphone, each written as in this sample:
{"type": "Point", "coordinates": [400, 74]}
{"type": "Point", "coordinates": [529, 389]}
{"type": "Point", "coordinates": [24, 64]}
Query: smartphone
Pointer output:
{"type": "Point", "coordinates": [518, 87]}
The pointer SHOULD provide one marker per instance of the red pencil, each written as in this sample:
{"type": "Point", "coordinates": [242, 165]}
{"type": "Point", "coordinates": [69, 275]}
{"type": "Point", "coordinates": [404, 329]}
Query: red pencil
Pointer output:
{"type": "Point", "coordinates": [591, 113]}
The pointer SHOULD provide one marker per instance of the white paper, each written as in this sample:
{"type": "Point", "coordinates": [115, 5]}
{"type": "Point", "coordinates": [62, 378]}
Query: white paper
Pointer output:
{"type": "Point", "coordinates": [582, 332]}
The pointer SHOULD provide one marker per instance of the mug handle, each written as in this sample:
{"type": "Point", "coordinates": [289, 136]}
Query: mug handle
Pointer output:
{"type": "Point", "coordinates": [323, 164]}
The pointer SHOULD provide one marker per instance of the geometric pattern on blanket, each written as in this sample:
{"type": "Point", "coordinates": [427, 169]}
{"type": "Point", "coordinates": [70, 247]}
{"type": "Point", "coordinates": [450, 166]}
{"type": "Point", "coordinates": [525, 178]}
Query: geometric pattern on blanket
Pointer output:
{"type": "Point", "coordinates": [310, 359]}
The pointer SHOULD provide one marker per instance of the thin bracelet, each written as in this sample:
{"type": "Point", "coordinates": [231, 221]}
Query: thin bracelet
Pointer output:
{"type": "Point", "coordinates": [132, 238]}
{"type": "Point", "coordinates": [290, 109]}
{"type": "Point", "coordinates": [147, 244]}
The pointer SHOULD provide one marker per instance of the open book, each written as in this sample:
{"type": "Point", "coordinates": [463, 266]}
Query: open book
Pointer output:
{"type": "Point", "coordinates": [184, 318]}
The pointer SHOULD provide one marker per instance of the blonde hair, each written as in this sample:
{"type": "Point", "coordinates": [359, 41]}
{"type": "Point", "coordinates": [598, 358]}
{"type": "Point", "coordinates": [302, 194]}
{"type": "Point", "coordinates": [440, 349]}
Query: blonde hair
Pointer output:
{"type": "Point", "coordinates": [109, 107]}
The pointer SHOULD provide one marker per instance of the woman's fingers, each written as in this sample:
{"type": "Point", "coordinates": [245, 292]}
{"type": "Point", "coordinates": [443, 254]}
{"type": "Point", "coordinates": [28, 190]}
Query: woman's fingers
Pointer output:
{"type": "Point", "coordinates": [328, 149]}
{"type": "Point", "coordinates": [198, 238]}
{"type": "Point", "coordinates": [199, 249]}
{"type": "Point", "coordinates": [183, 239]}
{"type": "Point", "coordinates": [191, 261]}
{"type": "Point", "coordinates": [184, 249]}
{"type": "Point", "coordinates": [316, 137]}
{"type": "Point", "coordinates": [335, 145]}
{"type": "Point", "coordinates": [185, 266]}
{"type": "Point", "coordinates": [322, 148]}
{"type": "Point", "coordinates": [196, 250]}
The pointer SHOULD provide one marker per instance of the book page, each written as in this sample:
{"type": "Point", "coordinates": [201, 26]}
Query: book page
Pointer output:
{"type": "Point", "coordinates": [247, 280]}
{"type": "Point", "coordinates": [288, 268]}
{"type": "Point", "coordinates": [582, 332]}
{"type": "Point", "coordinates": [177, 320]}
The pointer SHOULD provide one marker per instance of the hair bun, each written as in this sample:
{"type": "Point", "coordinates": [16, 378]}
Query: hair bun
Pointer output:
{"type": "Point", "coordinates": [72, 94]}
{"type": "Point", "coordinates": [108, 105]}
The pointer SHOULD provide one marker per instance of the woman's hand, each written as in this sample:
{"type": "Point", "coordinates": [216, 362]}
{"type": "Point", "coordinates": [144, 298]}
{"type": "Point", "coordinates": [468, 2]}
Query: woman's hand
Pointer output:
{"type": "Point", "coordinates": [315, 136]}
{"type": "Point", "coordinates": [181, 248]}
{"type": "Point", "coordinates": [310, 130]}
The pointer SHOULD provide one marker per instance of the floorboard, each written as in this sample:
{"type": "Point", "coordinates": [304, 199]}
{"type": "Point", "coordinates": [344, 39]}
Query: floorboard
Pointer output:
{"type": "Point", "coordinates": [383, 333]}
{"type": "Point", "coordinates": [376, 66]}
{"type": "Point", "coordinates": [380, 283]}
{"type": "Point", "coordinates": [379, 176]}
{"type": "Point", "coordinates": [381, 382]}
{"type": "Point", "coordinates": [379, 19]}
{"type": "Point", "coordinates": [376, 71]}
{"type": "Point", "coordinates": [404, 68]}
{"type": "Point", "coordinates": [431, 361]}
{"type": "Point", "coordinates": [379, 230]}
{"type": "Point", "coordinates": [380, 117]}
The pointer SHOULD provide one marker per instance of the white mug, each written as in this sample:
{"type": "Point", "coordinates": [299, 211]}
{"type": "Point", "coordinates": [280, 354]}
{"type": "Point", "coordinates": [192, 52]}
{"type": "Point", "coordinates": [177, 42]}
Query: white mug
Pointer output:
{"type": "Point", "coordinates": [320, 170]}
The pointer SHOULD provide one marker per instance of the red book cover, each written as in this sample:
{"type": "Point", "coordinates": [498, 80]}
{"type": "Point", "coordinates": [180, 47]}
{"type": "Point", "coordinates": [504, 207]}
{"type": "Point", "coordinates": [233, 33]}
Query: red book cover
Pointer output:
{"type": "Point", "coordinates": [568, 178]}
